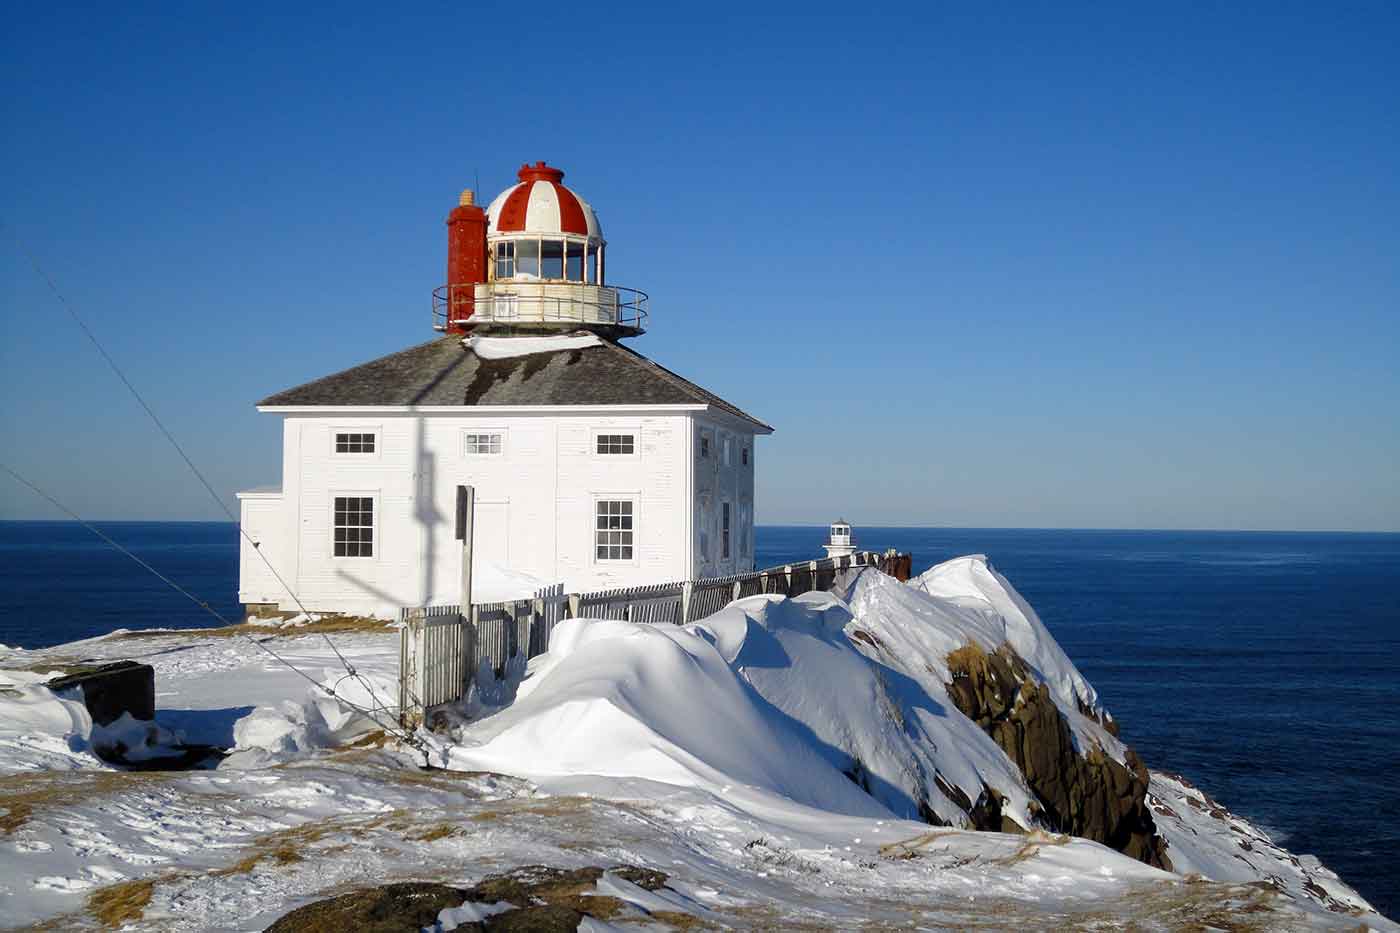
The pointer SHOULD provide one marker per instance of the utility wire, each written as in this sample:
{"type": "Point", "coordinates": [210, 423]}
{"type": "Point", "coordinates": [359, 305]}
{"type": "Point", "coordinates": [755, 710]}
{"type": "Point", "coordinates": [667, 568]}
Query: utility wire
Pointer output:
{"type": "Point", "coordinates": [92, 337]}
{"type": "Point", "coordinates": [329, 691]}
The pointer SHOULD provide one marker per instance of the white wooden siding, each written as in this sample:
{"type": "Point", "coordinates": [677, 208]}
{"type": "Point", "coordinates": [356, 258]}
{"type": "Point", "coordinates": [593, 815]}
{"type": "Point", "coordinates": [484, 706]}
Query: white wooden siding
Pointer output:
{"type": "Point", "coordinates": [535, 504]}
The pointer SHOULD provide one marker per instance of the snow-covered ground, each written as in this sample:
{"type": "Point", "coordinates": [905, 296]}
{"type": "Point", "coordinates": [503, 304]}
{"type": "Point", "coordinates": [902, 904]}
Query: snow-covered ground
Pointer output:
{"type": "Point", "coordinates": [725, 753]}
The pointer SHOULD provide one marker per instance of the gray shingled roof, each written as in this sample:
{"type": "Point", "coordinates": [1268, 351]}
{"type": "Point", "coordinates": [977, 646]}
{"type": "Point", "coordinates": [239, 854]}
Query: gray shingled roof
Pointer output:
{"type": "Point", "coordinates": [444, 372]}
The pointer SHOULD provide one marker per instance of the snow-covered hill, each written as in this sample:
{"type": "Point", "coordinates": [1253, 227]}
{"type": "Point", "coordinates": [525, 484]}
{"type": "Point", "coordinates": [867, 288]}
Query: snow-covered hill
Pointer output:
{"type": "Point", "coordinates": [822, 760]}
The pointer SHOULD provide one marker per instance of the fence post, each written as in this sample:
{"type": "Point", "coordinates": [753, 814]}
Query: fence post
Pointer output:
{"type": "Point", "coordinates": [686, 589]}
{"type": "Point", "coordinates": [573, 605]}
{"type": "Point", "coordinates": [412, 654]}
{"type": "Point", "coordinates": [738, 587]}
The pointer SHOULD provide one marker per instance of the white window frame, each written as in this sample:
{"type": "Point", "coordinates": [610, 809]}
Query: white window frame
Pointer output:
{"type": "Point", "coordinates": [376, 541]}
{"type": "Point", "coordinates": [635, 498]}
{"type": "Point", "coordinates": [706, 446]}
{"type": "Point", "coordinates": [374, 430]}
{"type": "Point", "coordinates": [596, 433]}
{"type": "Point", "coordinates": [727, 447]}
{"type": "Point", "coordinates": [478, 430]}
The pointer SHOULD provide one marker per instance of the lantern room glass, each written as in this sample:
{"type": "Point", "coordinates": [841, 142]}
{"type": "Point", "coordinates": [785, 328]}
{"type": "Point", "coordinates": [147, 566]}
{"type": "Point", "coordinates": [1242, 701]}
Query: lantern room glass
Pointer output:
{"type": "Point", "coordinates": [527, 258]}
{"type": "Point", "coordinates": [551, 259]}
{"type": "Point", "coordinates": [573, 270]}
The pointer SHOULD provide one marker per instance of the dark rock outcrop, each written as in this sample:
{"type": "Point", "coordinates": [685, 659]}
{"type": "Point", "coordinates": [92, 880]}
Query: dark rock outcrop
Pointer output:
{"type": "Point", "coordinates": [1090, 795]}
{"type": "Point", "coordinates": [391, 908]}
{"type": "Point", "coordinates": [547, 900]}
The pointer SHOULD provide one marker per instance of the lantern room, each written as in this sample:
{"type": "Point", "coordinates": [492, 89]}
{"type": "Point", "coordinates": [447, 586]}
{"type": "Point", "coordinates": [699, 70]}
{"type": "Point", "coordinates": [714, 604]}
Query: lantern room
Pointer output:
{"type": "Point", "coordinates": [533, 261]}
{"type": "Point", "coordinates": [842, 542]}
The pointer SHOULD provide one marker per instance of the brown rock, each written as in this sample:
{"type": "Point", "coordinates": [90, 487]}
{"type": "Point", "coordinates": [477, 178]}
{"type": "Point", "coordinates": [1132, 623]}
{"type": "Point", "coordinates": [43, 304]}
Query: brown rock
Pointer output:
{"type": "Point", "coordinates": [1091, 796]}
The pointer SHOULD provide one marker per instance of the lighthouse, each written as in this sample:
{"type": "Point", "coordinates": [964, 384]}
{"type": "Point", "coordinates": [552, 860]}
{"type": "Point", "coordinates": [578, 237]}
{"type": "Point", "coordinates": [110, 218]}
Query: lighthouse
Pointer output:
{"type": "Point", "coordinates": [534, 262]}
{"type": "Point", "coordinates": [841, 543]}
{"type": "Point", "coordinates": [593, 465]}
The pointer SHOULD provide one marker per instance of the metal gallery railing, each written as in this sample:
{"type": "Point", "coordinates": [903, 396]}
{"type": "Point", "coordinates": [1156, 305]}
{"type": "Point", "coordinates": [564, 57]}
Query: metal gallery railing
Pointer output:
{"type": "Point", "coordinates": [549, 303]}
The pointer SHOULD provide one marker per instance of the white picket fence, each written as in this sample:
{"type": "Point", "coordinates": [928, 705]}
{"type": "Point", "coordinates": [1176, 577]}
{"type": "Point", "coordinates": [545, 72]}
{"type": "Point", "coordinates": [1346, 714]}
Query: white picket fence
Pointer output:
{"type": "Point", "coordinates": [440, 650]}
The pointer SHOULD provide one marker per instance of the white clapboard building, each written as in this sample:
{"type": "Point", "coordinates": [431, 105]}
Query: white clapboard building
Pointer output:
{"type": "Point", "coordinates": [593, 466]}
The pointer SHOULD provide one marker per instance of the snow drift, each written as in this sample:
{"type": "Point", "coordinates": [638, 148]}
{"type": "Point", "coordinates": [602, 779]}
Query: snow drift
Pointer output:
{"type": "Point", "coordinates": [841, 702]}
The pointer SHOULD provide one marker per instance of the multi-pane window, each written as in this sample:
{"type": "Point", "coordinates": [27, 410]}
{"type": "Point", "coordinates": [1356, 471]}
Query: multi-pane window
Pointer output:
{"type": "Point", "coordinates": [704, 445]}
{"type": "Point", "coordinates": [726, 451]}
{"type": "Point", "coordinates": [724, 531]}
{"type": "Point", "coordinates": [354, 443]}
{"type": "Point", "coordinates": [613, 529]}
{"type": "Point", "coordinates": [484, 445]}
{"type": "Point", "coordinates": [505, 260]}
{"type": "Point", "coordinates": [616, 443]}
{"type": "Point", "coordinates": [744, 455]}
{"type": "Point", "coordinates": [354, 526]}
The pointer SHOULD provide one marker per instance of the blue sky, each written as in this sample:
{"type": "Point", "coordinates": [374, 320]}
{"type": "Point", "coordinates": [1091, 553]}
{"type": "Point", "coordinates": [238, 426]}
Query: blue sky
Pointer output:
{"type": "Point", "coordinates": [1045, 265]}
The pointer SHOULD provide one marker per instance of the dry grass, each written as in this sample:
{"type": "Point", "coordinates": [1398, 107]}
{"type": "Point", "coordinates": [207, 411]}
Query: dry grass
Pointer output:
{"type": "Point", "coordinates": [1035, 841]}
{"type": "Point", "coordinates": [970, 657]}
{"type": "Point", "coordinates": [121, 903]}
{"type": "Point", "coordinates": [440, 831]}
{"type": "Point", "coordinates": [909, 848]}
{"type": "Point", "coordinates": [21, 795]}
{"type": "Point", "coordinates": [284, 847]}
{"type": "Point", "coordinates": [327, 625]}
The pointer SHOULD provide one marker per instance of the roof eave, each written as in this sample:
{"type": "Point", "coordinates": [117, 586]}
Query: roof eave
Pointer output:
{"type": "Point", "coordinates": [479, 409]}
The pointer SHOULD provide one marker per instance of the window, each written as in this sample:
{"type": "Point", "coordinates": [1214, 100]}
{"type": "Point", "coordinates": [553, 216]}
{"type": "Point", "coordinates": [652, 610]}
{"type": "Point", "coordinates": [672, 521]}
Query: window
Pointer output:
{"type": "Point", "coordinates": [485, 444]}
{"type": "Point", "coordinates": [354, 526]}
{"type": "Point", "coordinates": [505, 260]}
{"type": "Point", "coordinates": [745, 528]}
{"type": "Point", "coordinates": [356, 443]}
{"type": "Point", "coordinates": [592, 269]}
{"type": "Point", "coordinates": [613, 530]}
{"type": "Point", "coordinates": [552, 259]}
{"type": "Point", "coordinates": [705, 446]}
{"type": "Point", "coordinates": [527, 258]}
{"type": "Point", "coordinates": [705, 520]}
{"type": "Point", "coordinates": [616, 443]}
{"type": "Point", "coordinates": [726, 451]}
{"type": "Point", "coordinates": [744, 455]}
{"type": "Point", "coordinates": [724, 531]}
{"type": "Point", "coordinates": [574, 270]}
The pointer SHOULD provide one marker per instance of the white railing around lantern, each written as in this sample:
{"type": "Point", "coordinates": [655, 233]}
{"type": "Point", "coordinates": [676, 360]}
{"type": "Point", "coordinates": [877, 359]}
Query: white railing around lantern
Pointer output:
{"type": "Point", "coordinates": [532, 303]}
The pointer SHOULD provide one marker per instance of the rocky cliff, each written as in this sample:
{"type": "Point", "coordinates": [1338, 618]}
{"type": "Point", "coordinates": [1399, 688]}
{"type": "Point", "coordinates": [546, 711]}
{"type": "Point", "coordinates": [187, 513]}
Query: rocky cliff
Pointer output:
{"type": "Point", "coordinates": [1085, 794]}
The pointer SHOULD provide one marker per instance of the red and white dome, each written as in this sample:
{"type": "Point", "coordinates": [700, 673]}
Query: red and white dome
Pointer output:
{"type": "Point", "coordinates": [541, 204]}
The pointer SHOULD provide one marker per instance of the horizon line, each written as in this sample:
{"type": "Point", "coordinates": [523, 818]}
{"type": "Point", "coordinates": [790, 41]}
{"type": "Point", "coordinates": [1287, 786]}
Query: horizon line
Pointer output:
{"type": "Point", "coordinates": [857, 527]}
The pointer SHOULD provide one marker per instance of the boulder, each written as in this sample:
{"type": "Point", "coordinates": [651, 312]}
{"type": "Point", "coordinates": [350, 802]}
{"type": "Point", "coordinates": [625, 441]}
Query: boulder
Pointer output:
{"type": "Point", "coordinates": [546, 900]}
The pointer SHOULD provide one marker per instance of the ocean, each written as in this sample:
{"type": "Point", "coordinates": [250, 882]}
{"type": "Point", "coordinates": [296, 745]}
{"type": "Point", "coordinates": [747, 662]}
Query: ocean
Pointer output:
{"type": "Point", "coordinates": [1265, 667]}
